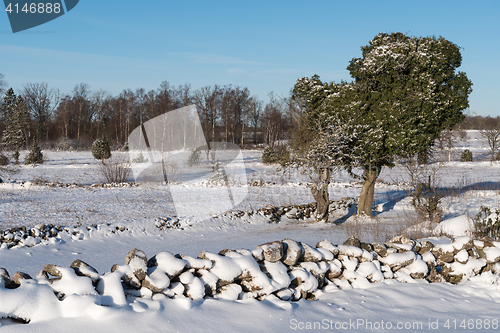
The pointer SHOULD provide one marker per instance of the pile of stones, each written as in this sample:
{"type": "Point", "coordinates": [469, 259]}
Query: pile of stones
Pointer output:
{"type": "Point", "coordinates": [287, 269]}
{"type": "Point", "coordinates": [47, 233]}
{"type": "Point", "coordinates": [302, 212]}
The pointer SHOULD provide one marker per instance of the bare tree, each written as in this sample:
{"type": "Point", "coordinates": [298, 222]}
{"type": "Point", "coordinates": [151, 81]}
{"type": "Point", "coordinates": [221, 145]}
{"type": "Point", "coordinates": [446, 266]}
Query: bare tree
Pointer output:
{"type": "Point", "coordinates": [97, 104]}
{"type": "Point", "coordinates": [447, 141]}
{"type": "Point", "coordinates": [208, 101]}
{"type": "Point", "coordinates": [184, 95]}
{"type": "Point", "coordinates": [80, 96]}
{"type": "Point", "coordinates": [239, 106]}
{"type": "Point", "coordinates": [273, 120]}
{"type": "Point", "coordinates": [255, 115]}
{"type": "Point", "coordinates": [64, 115]}
{"type": "Point", "coordinates": [41, 102]}
{"type": "Point", "coordinates": [491, 137]}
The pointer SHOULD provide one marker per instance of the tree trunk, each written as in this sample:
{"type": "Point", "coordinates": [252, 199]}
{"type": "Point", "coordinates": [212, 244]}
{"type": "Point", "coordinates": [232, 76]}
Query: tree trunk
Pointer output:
{"type": "Point", "coordinates": [320, 194]}
{"type": "Point", "coordinates": [366, 197]}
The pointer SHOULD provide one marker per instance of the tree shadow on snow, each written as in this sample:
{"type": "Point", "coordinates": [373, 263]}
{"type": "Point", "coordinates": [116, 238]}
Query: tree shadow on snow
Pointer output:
{"type": "Point", "coordinates": [350, 212]}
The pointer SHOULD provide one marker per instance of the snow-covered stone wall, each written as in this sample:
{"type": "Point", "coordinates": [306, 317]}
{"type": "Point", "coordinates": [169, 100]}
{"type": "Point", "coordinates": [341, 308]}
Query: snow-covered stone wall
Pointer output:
{"type": "Point", "coordinates": [287, 269]}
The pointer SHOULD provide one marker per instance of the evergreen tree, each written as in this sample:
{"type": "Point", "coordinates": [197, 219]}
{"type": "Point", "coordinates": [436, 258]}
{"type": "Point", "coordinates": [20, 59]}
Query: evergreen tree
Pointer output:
{"type": "Point", "coordinates": [13, 135]}
{"type": "Point", "coordinates": [405, 92]}
{"type": "Point", "coordinates": [35, 156]}
{"type": "Point", "coordinates": [7, 104]}
{"type": "Point", "coordinates": [101, 149]}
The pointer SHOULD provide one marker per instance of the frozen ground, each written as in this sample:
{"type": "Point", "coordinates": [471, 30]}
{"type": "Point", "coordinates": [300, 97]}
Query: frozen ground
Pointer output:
{"type": "Point", "coordinates": [26, 201]}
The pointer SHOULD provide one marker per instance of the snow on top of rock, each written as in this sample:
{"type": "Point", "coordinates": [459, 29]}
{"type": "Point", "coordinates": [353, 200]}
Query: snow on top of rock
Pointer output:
{"type": "Point", "coordinates": [471, 267]}
{"type": "Point", "coordinates": [197, 262]}
{"type": "Point", "coordinates": [462, 256]}
{"type": "Point", "coordinates": [157, 278]}
{"type": "Point", "coordinates": [294, 251]}
{"type": "Point", "coordinates": [350, 250]}
{"type": "Point", "coordinates": [342, 284]}
{"type": "Point", "coordinates": [311, 253]}
{"type": "Point", "coordinates": [398, 258]}
{"type": "Point", "coordinates": [327, 254]}
{"type": "Point", "coordinates": [402, 276]}
{"type": "Point", "coordinates": [404, 247]}
{"type": "Point", "coordinates": [196, 288]}
{"type": "Point", "coordinates": [361, 283]}
{"type": "Point", "coordinates": [258, 253]}
{"type": "Point", "coordinates": [250, 267]}
{"type": "Point", "coordinates": [456, 226]}
{"type": "Point", "coordinates": [308, 281]}
{"type": "Point", "coordinates": [478, 243]}
{"type": "Point", "coordinates": [230, 292]}
{"type": "Point", "coordinates": [492, 254]}
{"type": "Point", "coordinates": [31, 302]}
{"type": "Point", "coordinates": [224, 267]}
{"type": "Point", "coordinates": [487, 278]}
{"type": "Point", "coordinates": [315, 268]}
{"type": "Point", "coordinates": [449, 247]}
{"type": "Point", "coordinates": [168, 263]}
{"type": "Point", "coordinates": [186, 277]}
{"type": "Point", "coordinates": [367, 268]}
{"type": "Point", "coordinates": [367, 256]}
{"type": "Point", "coordinates": [111, 290]}
{"type": "Point", "coordinates": [326, 244]}
{"type": "Point", "coordinates": [273, 251]}
{"type": "Point", "coordinates": [208, 278]}
{"type": "Point", "coordinates": [70, 283]}
{"type": "Point", "coordinates": [176, 289]}
{"type": "Point", "coordinates": [459, 242]}
{"type": "Point", "coordinates": [279, 274]}
{"type": "Point", "coordinates": [349, 264]}
{"type": "Point", "coordinates": [429, 258]}
{"type": "Point", "coordinates": [418, 266]}
{"type": "Point", "coordinates": [351, 275]}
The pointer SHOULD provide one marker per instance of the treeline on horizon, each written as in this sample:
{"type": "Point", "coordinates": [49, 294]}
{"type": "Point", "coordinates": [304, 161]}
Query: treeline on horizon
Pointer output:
{"type": "Point", "coordinates": [227, 113]}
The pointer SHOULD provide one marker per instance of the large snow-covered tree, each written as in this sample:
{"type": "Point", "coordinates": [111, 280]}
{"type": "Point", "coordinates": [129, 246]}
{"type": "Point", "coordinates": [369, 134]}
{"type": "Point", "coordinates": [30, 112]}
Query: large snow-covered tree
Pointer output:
{"type": "Point", "coordinates": [406, 90]}
{"type": "Point", "coordinates": [319, 153]}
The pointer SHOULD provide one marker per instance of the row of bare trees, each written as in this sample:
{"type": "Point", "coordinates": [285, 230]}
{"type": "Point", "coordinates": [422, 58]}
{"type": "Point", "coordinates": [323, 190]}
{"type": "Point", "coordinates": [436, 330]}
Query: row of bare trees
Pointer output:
{"type": "Point", "coordinates": [227, 113]}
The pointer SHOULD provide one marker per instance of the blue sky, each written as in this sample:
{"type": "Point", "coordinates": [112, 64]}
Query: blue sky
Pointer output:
{"type": "Point", "coordinates": [263, 45]}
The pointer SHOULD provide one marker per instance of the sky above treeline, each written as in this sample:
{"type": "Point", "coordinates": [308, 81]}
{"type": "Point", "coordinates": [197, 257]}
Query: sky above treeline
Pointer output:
{"type": "Point", "coordinates": [263, 45]}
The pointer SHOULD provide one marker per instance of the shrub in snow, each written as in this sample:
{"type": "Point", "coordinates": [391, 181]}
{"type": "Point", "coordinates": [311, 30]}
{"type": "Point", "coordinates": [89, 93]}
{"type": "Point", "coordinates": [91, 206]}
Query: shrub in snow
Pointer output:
{"type": "Point", "coordinates": [466, 156]}
{"type": "Point", "coordinates": [279, 154]}
{"type": "Point", "coordinates": [487, 223]}
{"type": "Point", "coordinates": [115, 170]}
{"type": "Point", "coordinates": [218, 176]}
{"type": "Point", "coordinates": [195, 157]}
{"type": "Point", "coordinates": [35, 155]}
{"type": "Point", "coordinates": [139, 159]}
{"type": "Point", "coordinates": [425, 190]}
{"type": "Point", "coordinates": [101, 149]}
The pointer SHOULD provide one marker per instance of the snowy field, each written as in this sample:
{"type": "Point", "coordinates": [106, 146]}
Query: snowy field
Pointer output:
{"type": "Point", "coordinates": [62, 192]}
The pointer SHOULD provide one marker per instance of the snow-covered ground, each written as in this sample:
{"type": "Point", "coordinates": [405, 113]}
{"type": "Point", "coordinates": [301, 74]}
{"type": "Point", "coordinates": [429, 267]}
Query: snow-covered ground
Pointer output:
{"type": "Point", "coordinates": [30, 197]}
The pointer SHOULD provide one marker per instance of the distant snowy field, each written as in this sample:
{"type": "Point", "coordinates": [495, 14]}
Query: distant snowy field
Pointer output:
{"type": "Point", "coordinates": [26, 201]}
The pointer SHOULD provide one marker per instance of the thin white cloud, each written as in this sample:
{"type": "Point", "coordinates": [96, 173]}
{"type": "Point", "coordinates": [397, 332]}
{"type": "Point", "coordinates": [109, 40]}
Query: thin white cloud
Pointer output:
{"type": "Point", "coordinates": [89, 60]}
{"type": "Point", "coordinates": [207, 58]}
{"type": "Point", "coordinates": [236, 71]}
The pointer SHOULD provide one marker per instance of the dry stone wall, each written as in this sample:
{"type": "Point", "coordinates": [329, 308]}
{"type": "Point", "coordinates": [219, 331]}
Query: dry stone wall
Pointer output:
{"type": "Point", "coordinates": [288, 269]}
{"type": "Point", "coordinates": [48, 233]}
